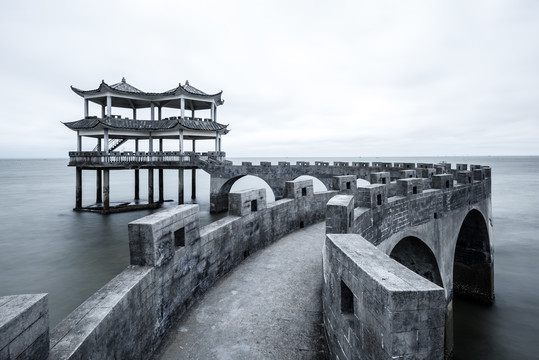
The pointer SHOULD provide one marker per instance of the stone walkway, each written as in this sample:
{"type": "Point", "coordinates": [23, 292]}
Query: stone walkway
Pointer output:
{"type": "Point", "coordinates": [269, 307]}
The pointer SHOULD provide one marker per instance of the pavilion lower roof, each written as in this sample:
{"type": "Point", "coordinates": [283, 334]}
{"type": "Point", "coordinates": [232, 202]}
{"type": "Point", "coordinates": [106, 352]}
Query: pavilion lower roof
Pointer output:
{"type": "Point", "coordinates": [147, 125]}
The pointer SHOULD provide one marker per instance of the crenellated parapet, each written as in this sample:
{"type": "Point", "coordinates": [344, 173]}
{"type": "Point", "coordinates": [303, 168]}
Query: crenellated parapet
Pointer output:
{"type": "Point", "coordinates": [436, 226]}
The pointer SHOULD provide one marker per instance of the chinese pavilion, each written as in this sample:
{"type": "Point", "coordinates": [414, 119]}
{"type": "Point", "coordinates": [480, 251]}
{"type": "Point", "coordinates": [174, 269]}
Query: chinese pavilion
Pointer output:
{"type": "Point", "coordinates": [111, 131]}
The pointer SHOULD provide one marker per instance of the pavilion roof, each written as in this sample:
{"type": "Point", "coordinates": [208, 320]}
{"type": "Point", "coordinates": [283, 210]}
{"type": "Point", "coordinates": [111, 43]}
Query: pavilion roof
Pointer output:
{"type": "Point", "coordinates": [148, 125]}
{"type": "Point", "coordinates": [126, 95]}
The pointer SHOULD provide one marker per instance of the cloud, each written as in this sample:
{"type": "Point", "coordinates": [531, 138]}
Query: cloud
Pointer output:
{"type": "Point", "coordinates": [299, 78]}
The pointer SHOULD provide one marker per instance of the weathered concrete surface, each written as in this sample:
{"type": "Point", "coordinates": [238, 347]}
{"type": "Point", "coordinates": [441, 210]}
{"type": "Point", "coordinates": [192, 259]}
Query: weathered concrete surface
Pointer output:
{"type": "Point", "coordinates": [269, 307]}
{"type": "Point", "coordinates": [24, 327]}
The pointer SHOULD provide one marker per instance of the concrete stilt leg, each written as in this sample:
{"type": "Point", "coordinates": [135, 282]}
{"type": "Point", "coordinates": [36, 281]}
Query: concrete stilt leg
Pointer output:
{"type": "Point", "coordinates": [98, 187]}
{"type": "Point", "coordinates": [180, 186]}
{"type": "Point", "coordinates": [106, 188]}
{"type": "Point", "coordinates": [150, 186]}
{"type": "Point", "coordinates": [78, 188]}
{"type": "Point", "coordinates": [194, 184]}
{"type": "Point", "coordinates": [161, 194]}
{"type": "Point", "coordinates": [137, 185]}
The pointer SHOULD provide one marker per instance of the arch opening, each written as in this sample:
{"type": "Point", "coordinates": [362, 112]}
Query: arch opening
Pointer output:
{"type": "Point", "coordinates": [473, 275]}
{"type": "Point", "coordinates": [418, 257]}
{"type": "Point", "coordinates": [318, 185]}
{"type": "Point", "coordinates": [219, 201]}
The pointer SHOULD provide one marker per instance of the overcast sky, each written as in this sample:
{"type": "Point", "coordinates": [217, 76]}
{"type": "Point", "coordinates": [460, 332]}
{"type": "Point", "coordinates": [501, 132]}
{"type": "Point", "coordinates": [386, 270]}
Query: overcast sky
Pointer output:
{"type": "Point", "coordinates": [299, 78]}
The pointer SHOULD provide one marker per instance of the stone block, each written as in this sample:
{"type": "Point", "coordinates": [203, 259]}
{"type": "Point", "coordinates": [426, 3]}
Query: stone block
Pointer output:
{"type": "Point", "coordinates": [340, 163]}
{"type": "Point", "coordinates": [265, 163]}
{"type": "Point", "coordinates": [284, 163]}
{"type": "Point", "coordinates": [380, 178]}
{"type": "Point", "coordinates": [462, 167]}
{"type": "Point", "coordinates": [297, 189]}
{"type": "Point", "coordinates": [382, 165]}
{"type": "Point", "coordinates": [425, 166]}
{"type": "Point", "coordinates": [372, 196]}
{"type": "Point", "coordinates": [321, 163]}
{"type": "Point", "coordinates": [302, 163]}
{"type": "Point", "coordinates": [345, 183]}
{"type": "Point", "coordinates": [242, 203]}
{"type": "Point", "coordinates": [426, 173]}
{"type": "Point", "coordinates": [153, 239]}
{"type": "Point", "coordinates": [24, 327]}
{"type": "Point", "coordinates": [405, 165]}
{"type": "Point", "coordinates": [360, 164]}
{"type": "Point", "coordinates": [340, 214]}
{"type": "Point", "coordinates": [478, 174]}
{"type": "Point", "coordinates": [246, 163]}
{"type": "Point", "coordinates": [406, 174]}
{"type": "Point", "coordinates": [442, 182]}
{"type": "Point", "coordinates": [408, 187]}
{"type": "Point", "coordinates": [464, 177]}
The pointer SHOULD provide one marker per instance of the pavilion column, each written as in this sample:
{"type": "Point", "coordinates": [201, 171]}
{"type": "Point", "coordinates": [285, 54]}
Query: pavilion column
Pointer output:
{"type": "Point", "coordinates": [152, 111]}
{"type": "Point", "coordinates": [216, 141]}
{"type": "Point", "coordinates": [181, 141]}
{"type": "Point", "coordinates": [161, 193]}
{"type": "Point", "coordinates": [85, 108]}
{"type": "Point", "coordinates": [106, 140]}
{"type": "Point", "coordinates": [212, 111]}
{"type": "Point", "coordinates": [98, 180]}
{"type": "Point", "coordinates": [79, 141]}
{"type": "Point", "coordinates": [103, 111]}
{"type": "Point", "coordinates": [192, 113]}
{"type": "Point", "coordinates": [180, 186]}
{"type": "Point", "coordinates": [109, 106]}
{"type": "Point", "coordinates": [78, 188]}
{"type": "Point", "coordinates": [134, 114]}
{"type": "Point", "coordinates": [150, 143]}
{"type": "Point", "coordinates": [137, 176]}
{"type": "Point", "coordinates": [150, 186]}
{"type": "Point", "coordinates": [182, 108]}
{"type": "Point", "coordinates": [159, 113]}
{"type": "Point", "coordinates": [106, 188]}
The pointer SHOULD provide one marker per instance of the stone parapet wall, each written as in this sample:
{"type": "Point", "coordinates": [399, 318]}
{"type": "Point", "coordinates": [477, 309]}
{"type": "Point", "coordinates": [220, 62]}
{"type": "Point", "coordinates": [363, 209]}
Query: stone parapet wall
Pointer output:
{"type": "Point", "coordinates": [375, 308]}
{"type": "Point", "coordinates": [174, 262]}
{"type": "Point", "coordinates": [24, 327]}
{"type": "Point", "coordinates": [432, 208]}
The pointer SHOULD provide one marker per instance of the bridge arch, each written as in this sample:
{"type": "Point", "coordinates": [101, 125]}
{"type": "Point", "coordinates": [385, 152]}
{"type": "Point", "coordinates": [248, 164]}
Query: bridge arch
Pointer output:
{"type": "Point", "coordinates": [416, 255]}
{"type": "Point", "coordinates": [318, 185]}
{"type": "Point", "coordinates": [220, 190]}
{"type": "Point", "coordinates": [473, 261]}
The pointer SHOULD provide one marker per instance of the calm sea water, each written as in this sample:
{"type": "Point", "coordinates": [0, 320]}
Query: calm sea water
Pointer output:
{"type": "Point", "coordinates": [45, 247]}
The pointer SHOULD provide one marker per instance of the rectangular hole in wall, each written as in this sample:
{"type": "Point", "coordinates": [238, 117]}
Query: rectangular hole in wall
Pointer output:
{"type": "Point", "coordinates": [379, 199]}
{"type": "Point", "coordinates": [414, 190]}
{"type": "Point", "coordinates": [447, 184]}
{"type": "Point", "coordinates": [350, 219]}
{"type": "Point", "coordinates": [254, 205]}
{"type": "Point", "coordinates": [304, 191]}
{"type": "Point", "coordinates": [302, 224]}
{"type": "Point", "coordinates": [469, 179]}
{"type": "Point", "coordinates": [348, 185]}
{"type": "Point", "coordinates": [436, 215]}
{"type": "Point", "coordinates": [246, 253]}
{"type": "Point", "coordinates": [347, 300]}
{"type": "Point", "coordinates": [179, 237]}
{"type": "Point", "coordinates": [383, 180]}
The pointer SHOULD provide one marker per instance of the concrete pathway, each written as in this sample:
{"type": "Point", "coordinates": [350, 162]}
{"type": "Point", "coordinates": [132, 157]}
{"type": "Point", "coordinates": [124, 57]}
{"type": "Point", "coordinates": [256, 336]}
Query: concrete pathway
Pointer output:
{"type": "Point", "coordinates": [269, 307]}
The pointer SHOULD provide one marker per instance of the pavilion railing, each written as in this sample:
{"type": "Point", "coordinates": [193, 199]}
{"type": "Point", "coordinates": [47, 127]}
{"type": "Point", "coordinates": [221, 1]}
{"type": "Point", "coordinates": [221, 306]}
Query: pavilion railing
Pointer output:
{"type": "Point", "coordinates": [156, 158]}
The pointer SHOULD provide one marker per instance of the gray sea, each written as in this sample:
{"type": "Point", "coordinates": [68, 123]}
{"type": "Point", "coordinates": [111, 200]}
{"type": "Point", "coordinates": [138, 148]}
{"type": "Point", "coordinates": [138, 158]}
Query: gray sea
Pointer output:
{"type": "Point", "coordinates": [45, 247]}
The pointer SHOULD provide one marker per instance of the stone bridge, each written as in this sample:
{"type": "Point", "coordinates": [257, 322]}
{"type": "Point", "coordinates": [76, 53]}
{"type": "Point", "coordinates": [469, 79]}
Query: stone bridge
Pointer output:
{"type": "Point", "coordinates": [395, 254]}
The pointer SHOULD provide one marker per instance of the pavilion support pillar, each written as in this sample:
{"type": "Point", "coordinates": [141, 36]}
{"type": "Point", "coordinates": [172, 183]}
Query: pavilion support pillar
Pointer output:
{"type": "Point", "coordinates": [79, 141]}
{"type": "Point", "coordinates": [85, 108]}
{"type": "Point", "coordinates": [137, 175]}
{"type": "Point", "coordinates": [134, 114]}
{"type": "Point", "coordinates": [150, 186]}
{"type": "Point", "coordinates": [181, 141]}
{"type": "Point", "coordinates": [103, 111]}
{"type": "Point", "coordinates": [106, 140]}
{"type": "Point", "coordinates": [212, 112]}
{"type": "Point", "coordinates": [159, 113]}
{"type": "Point", "coordinates": [161, 187]}
{"type": "Point", "coordinates": [182, 108]}
{"type": "Point", "coordinates": [78, 188]}
{"type": "Point", "coordinates": [152, 111]}
{"type": "Point", "coordinates": [109, 106]}
{"type": "Point", "coordinates": [98, 186]}
{"type": "Point", "coordinates": [193, 183]}
{"type": "Point", "coordinates": [98, 179]}
{"type": "Point", "coordinates": [106, 190]}
{"type": "Point", "coordinates": [180, 187]}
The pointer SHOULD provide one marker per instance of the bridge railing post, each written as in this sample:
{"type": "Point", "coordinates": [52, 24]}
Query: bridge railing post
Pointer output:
{"type": "Point", "coordinates": [340, 215]}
